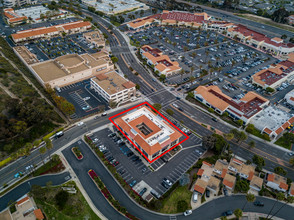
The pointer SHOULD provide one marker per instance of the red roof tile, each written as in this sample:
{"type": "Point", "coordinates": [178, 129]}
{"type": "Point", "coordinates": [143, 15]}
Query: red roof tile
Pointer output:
{"type": "Point", "coordinates": [200, 172]}
{"type": "Point", "coordinates": [270, 177]}
{"type": "Point", "coordinates": [283, 185]}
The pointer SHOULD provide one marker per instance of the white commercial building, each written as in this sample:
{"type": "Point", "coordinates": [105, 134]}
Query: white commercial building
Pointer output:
{"type": "Point", "coordinates": [113, 87]}
{"type": "Point", "coordinates": [289, 97]}
{"type": "Point", "coordinates": [13, 3]}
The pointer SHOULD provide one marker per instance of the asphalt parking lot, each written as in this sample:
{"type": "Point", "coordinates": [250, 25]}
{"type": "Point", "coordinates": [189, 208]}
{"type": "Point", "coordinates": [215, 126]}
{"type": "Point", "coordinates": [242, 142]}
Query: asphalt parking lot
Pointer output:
{"type": "Point", "coordinates": [85, 100]}
{"type": "Point", "coordinates": [135, 170]}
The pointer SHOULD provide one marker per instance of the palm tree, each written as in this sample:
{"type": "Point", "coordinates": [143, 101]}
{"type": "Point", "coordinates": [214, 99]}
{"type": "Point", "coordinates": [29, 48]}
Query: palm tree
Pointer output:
{"type": "Point", "coordinates": [249, 198]}
{"type": "Point", "coordinates": [42, 150]}
{"type": "Point", "coordinates": [238, 213]}
{"type": "Point", "coordinates": [279, 196]}
{"type": "Point", "coordinates": [49, 146]}
{"type": "Point", "coordinates": [182, 73]}
{"type": "Point", "coordinates": [206, 53]}
{"type": "Point", "coordinates": [200, 68]}
{"type": "Point", "coordinates": [290, 199]}
{"type": "Point", "coordinates": [228, 137]}
{"type": "Point", "coordinates": [192, 69]}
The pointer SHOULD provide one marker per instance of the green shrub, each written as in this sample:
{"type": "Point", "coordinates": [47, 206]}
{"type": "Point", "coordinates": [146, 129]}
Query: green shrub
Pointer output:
{"type": "Point", "coordinates": [182, 206]}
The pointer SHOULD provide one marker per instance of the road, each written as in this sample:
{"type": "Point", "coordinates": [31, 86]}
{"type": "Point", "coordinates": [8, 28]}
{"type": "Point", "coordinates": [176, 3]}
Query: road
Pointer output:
{"type": "Point", "coordinates": [218, 206]}
{"type": "Point", "coordinates": [229, 16]}
{"type": "Point", "coordinates": [19, 191]}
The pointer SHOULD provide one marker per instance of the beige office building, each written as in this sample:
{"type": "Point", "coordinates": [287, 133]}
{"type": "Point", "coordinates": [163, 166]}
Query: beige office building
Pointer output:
{"type": "Point", "coordinates": [72, 68]}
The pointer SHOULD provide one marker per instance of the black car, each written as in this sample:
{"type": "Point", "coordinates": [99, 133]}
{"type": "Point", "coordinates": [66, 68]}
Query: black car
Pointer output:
{"type": "Point", "coordinates": [142, 191]}
{"type": "Point", "coordinates": [207, 193]}
{"type": "Point", "coordinates": [135, 158]}
{"type": "Point", "coordinates": [258, 203]}
{"type": "Point", "coordinates": [227, 213]}
{"type": "Point", "coordinates": [130, 154]}
{"type": "Point", "coordinates": [225, 191]}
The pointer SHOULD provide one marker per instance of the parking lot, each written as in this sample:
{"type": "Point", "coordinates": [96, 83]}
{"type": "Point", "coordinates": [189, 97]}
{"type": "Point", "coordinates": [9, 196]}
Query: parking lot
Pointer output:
{"type": "Point", "coordinates": [85, 100]}
{"type": "Point", "coordinates": [134, 169]}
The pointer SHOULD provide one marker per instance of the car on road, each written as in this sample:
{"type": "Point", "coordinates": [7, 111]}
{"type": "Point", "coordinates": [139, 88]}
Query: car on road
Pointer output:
{"type": "Point", "coordinates": [214, 119]}
{"type": "Point", "coordinates": [258, 203]}
{"type": "Point", "coordinates": [19, 174]}
{"type": "Point", "coordinates": [175, 105]}
{"type": "Point", "coordinates": [195, 197]}
{"type": "Point", "coordinates": [227, 213]}
{"type": "Point", "coordinates": [188, 212]}
{"type": "Point", "coordinates": [96, 117]}
{"type": "Point", "coordinates": [81, 123]}
{"type": "Point", "coordinates": [104, 114]}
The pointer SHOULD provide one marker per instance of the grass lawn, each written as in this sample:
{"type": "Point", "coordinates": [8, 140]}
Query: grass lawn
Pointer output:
{"type": "Point", "coordinates": [76, 207]}
{"type": "Point", "coordinates": [170, 203]}
{"type": "Point", "coordinates": [286, 140]}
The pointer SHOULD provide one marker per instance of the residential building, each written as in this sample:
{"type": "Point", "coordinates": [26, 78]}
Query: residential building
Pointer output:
{"type": "Point", "coordinates": [111, 7]}
{"type": "Point", "coordinates": [229, 181]}
{"type": "Point", "coordinates": [276, 74]}
{"type": "Point", "coordinates": [277, 182]}
{"type": "Point", "coordinates": [69, 69]}
{"type": "Point", "coordinates": [35, 14]}
{"type": "Point", "coordinates": [291, 19]}
{"type": "Point", "coordinates": [180, 18]}
{"type": "Point", "coordinates": [113, 87]}
{"type": "Point", "coordinates": [275, 45]}
{"type": "Point", "coordinates": [206, 180]}
{"type": "Point", "coordinates": [272, 121]}
{"type": "Point", "coordinates": [95, 38]}
{"type": "Point", "coordinates": [291, 190]}
{"type": "Point", "coordinates": [152, 134]}
{"type": "Point", "coordinates": [256, 183]}
{"type": "Point", "coordinates": [26, 209]}
{"type": "Point", "coordinates": [161, 63]}
{"type": "Point", "coordinates": [17, 3]}
{"type": "Point", "coordinates": [51, 31]}
{"type": "Point", "coordinates": [220, 168]}
{"type": "Point", "coordinates": [236, 166]}
{"type": "Point", "coordinates": [289, 97]}
{"type": "Point", "coordinates": [245, 108]}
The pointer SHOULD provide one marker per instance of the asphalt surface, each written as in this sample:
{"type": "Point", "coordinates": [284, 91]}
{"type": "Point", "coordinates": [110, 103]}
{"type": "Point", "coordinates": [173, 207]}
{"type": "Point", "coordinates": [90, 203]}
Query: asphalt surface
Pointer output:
{"type": "Point", "coordinates": [22, 189]}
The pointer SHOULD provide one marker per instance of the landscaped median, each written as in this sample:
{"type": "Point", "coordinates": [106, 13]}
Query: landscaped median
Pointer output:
{"type": "Point", "coordinates": [108, 195]}
{"type": "Point", "coordinates": [76, 151]}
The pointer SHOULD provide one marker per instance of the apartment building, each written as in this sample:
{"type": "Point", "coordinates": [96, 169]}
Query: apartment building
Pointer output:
{"type": "Point", "coordinates": [245, 108]}
{"type": "Point", "coordinates": [48, 32]}
{"type": "Point", "coordinates": [113, 87]}
{"type": "Point", "coordinates": [256, 183]}
{"type": "Point", "coordinates": [243, 170]}
{"type": "Point", "coordinates": [151, 133]}
{"type": "Point", "coordinates": [161, 63]}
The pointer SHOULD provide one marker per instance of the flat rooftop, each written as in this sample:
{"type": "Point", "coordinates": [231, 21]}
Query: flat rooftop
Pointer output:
{"type": "Point", "coordinates": [112, 83]}
{"type": "Point", "coordinates": [29, 57]}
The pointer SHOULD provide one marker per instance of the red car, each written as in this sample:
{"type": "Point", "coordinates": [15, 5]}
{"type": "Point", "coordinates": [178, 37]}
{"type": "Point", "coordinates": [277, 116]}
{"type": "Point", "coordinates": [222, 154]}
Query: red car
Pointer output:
{"type": "Point", "coordinates": [115, 163]}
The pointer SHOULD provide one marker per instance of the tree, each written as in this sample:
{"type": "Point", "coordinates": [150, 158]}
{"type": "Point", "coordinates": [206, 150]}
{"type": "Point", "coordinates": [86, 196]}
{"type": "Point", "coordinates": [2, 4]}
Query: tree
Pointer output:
{"type": "Point", "coordinates": [228, 137]}
{"type": "Point", "coordinates": [182, 206]}
{"type": "Point", "coordinates": [169, 111]}
{"type": "Point", "coordinates": [225, 114]}
{"type": "Point", "coordinates": [289, 199]}
{"type": "Point", "coordinates": [112, 104]}
{"type": "Point", "coordinates": [279, 196]}
{"type": "Point", "coordinates": [292, 40]}
{"type": "Point", "coordinates": [269, 90]}
{"type": "Point", "coordinates": [114, 59]}
{"type": "Point", "coordinates": [238, 213]}
{"type": "Point", "coordinates": [284, 36]}
{"type": "Point", "coordinates": [251, 144]}
{"type": "Point", "coordinates": [137, 86]}
{"type": "Point", "coordinates": [157, 106]}
{"type": "Point", "coordinates": [249, 198]}
{"type": "Point", "coordinates": [42, 151]}
{"type": "Point", "coordinates": [210, 110]}
{"type": "Point", "coordinates": [280, 15]}
{"type": "Point", "coordinates": [291, 161]}
{"type": "Point", "coordinates": [242, 136]}
{"type": "Point", "coordinates": [61, 199]}
{"type": "Point", "coordinates": [162, 77]}
{"type": "Point", "coordinates": [259, 161]}
{"type": "Point", "coordinates": [182, 72]}
{"type": "Point", "coordinates": [239, 122]}
{"type": "Point", "coordinates": [280, 171]}
{"type": "Point", "coordinates": [49, 146]}
{"type": "Point", "coordinates": [242, 186]}
{"type": "Point", "coordinates": [192, 69]}
{"type": "Point", "coordinates": [209, 141]}
{"type": "Point", "coordinates": [65, 106]}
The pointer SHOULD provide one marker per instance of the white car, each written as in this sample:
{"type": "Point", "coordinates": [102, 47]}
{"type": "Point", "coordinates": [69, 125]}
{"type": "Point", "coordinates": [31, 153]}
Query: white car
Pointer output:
{"type": "Point", "coordinates": [175, 105]}
{"type": "Point", "coordinates": [81, 123]}
{"type": "Point", "coordinates": [188, 212]}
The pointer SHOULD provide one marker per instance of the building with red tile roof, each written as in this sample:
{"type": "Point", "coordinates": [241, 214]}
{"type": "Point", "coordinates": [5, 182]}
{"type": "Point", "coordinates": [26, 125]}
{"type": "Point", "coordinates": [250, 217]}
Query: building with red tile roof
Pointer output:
{"type": "Point", "coordinates": [244, 109]}
{"type": "Point", "coordinates": [275, 75]}
{"type": "Point", "coordinates": [277, 182]}
{"type": "Point", "coordinates": [161, 63]}
{"type": "Point", "coordinates": [170, 18]}
{"type": "Point", "coordinates": [150, 132]}
{"type": "Point", "coordinates": [239, 167]}
{"type": "Point", "coordinates": [256, 183]}
{"type": "Point", "coordinates": [275, 46]}
{"type": "Point", "coordinates": [272, 121]}
{"type": "Point", "coordinates": [229, 181]}
{"type": "Point", "coordinates": [200, 186]}
{"type": "Point", "coordinates": [13, 18]}
{"type": "Point", "coordinates": [48, 32]}
{"type": "Point", "coordinates": [291, 190]}
{"type": "Point", "coordinates": [39, 215]}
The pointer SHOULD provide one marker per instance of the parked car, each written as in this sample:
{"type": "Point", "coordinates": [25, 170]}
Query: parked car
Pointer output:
{"type": "Point", "coordinates": [188, 212]}
{"type": "Point", "coordinates": [225, 191]}
{"type": "Point", "coordinates": [207, 193]}
{"type": "Point", "coordinates": [195, 197]}
{"type": "Point", "coordinates": [104, 114]}
{"type": "Point", "coordinates": [81, 123]}
{"type": "Point", "coordinates": [227, 213]}
{"type": "Point", "coordinates": [133, 183]}
{"type": "Point", "coordinates": [258, 203]}
{"type": "Point", "coordinates": [141, 193]}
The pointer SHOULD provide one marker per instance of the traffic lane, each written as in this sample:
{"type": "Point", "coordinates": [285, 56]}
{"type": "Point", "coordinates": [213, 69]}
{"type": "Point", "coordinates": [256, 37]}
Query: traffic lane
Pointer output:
{"type": "Point", "coordinates": [19, 191]}
{"type": "Point", "coordinates": [90, 161]}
